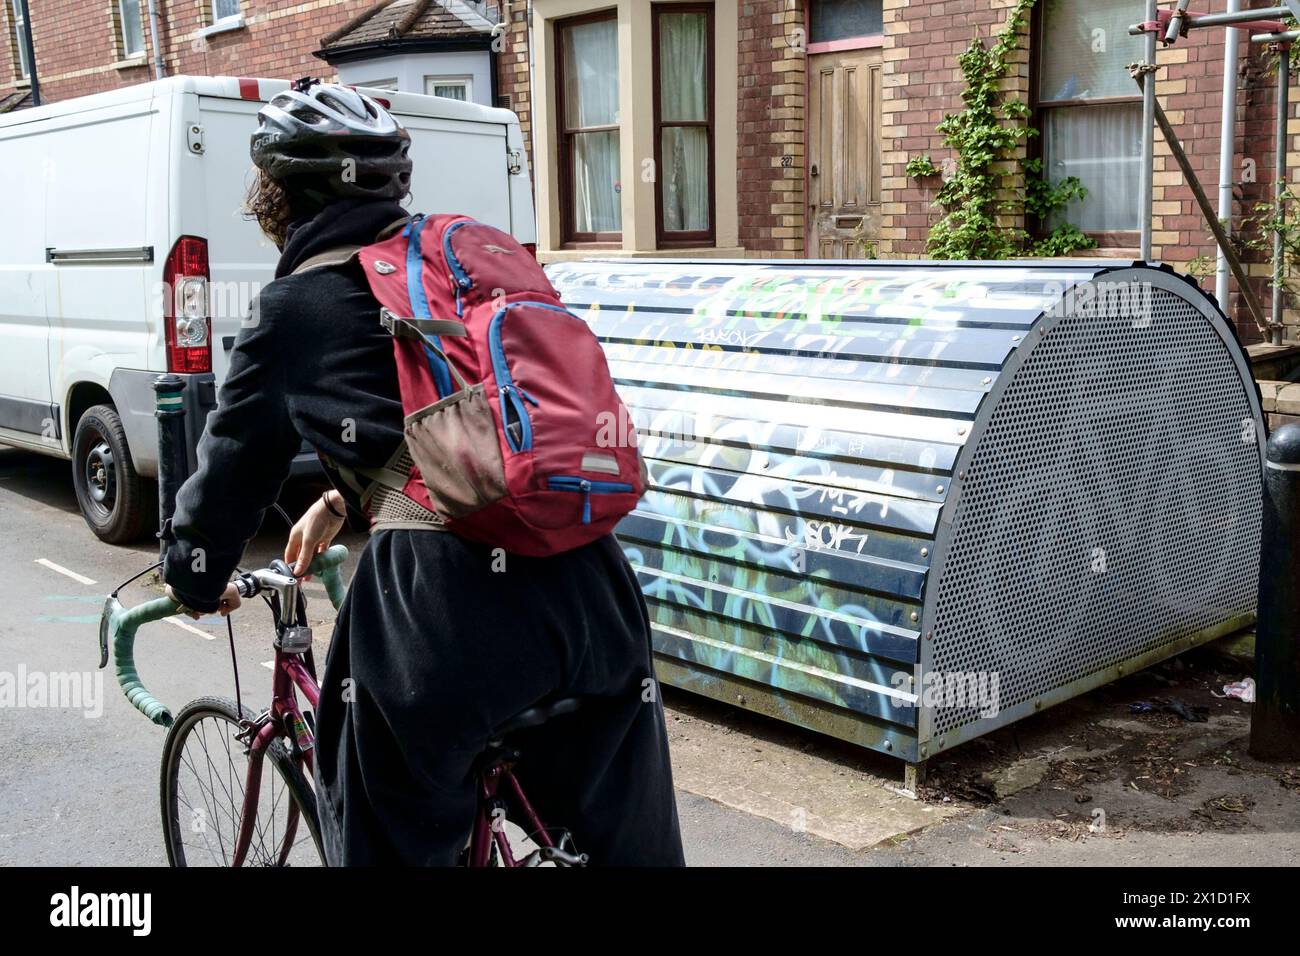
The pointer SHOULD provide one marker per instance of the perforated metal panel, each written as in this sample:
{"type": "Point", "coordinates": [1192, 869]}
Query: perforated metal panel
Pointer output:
{"type": "Point", "coordinates": [1110, 506]}
{"type": "Point", "coordinates": [863, 475]}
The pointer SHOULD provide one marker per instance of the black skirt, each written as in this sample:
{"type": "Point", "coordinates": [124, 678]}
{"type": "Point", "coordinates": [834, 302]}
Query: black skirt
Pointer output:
{"type": "Point", "coordinates": [439, 642]}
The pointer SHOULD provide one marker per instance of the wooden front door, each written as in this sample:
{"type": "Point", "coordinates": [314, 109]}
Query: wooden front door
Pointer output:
{"type": "Point", "coordinates": [843, 153]}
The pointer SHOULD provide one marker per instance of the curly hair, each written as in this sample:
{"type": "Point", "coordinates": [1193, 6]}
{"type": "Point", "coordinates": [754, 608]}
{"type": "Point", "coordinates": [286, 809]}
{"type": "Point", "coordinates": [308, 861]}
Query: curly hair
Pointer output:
{"type": "Point", "coordinates": [268, 204]}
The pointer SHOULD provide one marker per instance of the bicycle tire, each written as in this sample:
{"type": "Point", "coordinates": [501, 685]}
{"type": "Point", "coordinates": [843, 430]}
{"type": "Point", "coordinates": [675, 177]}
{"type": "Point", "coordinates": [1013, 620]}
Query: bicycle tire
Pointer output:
{"type": "Point", "coordinates": [294, 781]}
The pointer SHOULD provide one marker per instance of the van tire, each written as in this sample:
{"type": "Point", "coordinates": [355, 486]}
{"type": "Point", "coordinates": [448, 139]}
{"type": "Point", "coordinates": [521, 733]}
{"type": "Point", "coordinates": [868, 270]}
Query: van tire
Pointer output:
{"type": "Point", "coordinates": [118, 504]}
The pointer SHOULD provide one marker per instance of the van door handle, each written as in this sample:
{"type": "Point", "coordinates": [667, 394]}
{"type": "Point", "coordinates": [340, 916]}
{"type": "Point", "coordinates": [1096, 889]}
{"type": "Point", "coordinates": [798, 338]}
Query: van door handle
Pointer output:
{"type": "Point", "coordinates": [99, 256]}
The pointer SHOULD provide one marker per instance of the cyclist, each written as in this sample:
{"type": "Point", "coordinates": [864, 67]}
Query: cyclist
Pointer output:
{"type": "Point", "coordinates": [437, 643]}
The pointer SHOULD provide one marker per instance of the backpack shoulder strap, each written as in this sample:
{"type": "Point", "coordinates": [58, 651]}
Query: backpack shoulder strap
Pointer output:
{"type": "Point", "coordinates": [340, 255]}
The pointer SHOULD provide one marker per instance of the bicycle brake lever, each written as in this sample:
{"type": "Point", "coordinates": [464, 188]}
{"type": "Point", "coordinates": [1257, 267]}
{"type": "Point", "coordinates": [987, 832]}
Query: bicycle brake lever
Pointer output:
{"type": "Point", "coordinates": [280, 567]}
{"type": "Point", "coordinates": [111, 606]}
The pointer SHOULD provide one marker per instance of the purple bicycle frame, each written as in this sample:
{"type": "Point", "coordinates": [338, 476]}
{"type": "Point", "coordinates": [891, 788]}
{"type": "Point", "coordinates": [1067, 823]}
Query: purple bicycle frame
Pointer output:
{"type": "Point", "coordinates": [487, 830]}
{"type": "Point", "coordinates": [284, 717]}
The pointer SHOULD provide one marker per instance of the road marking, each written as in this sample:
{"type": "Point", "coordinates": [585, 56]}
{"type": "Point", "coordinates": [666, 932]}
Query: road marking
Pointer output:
{"type": "Point", "coordinates": [80, 578]}
{"type": "Point", "coordinates": [191, 628]}
{"type": "Point", "coordinates": [269, 665]}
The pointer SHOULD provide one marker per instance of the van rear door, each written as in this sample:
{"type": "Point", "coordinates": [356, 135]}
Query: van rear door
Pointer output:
{"type": "Point", "coordinates": [240, 259]}
{"type": "Point", "coordinates": [459, 166]}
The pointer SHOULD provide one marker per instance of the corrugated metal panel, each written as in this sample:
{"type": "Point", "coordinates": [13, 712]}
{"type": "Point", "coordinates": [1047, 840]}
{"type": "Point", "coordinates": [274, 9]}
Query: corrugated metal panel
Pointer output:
{"type": "Point", "coordinates": [802, 423]}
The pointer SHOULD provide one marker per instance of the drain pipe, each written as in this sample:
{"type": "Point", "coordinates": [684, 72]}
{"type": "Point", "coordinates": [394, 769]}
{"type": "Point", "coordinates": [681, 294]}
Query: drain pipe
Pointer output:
{"type": "Point", "coordinates": [1227, 152]}
{"type": "Point", "coordinates": [1148, 130]}
{"type": "Point", "coordinates": [158, 69]}
{"type": "Point", "coordinates": [532, 96]}
{"type": "Point", "coordinates": [29, 47]}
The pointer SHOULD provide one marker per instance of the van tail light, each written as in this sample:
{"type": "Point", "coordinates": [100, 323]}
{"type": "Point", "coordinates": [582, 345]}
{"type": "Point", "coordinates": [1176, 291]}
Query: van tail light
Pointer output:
{"type": "Point", "coordinates": [531, 247]}
{"type": "Point", "coordinates": [185, 306]}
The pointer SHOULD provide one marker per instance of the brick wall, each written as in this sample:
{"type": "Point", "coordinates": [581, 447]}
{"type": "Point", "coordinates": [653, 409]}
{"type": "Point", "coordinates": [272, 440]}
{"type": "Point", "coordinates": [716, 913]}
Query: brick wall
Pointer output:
{"type": "Point", "coordinates": [1281, 402]}
{"type": "Point", "coordinates": [79, 53]}
{"type": "Point", "coordinates": [512, 64]}
{"type": "Point", "coordinates": [770, 112]}
{"type": "Point", "coordinates": [922, 83]}
{"type": "Point", "coordinates": [78, 47]}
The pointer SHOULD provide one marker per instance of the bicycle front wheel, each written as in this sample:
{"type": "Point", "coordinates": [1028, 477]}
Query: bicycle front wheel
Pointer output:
{"type": "Point", "coordinates": [204, 774]}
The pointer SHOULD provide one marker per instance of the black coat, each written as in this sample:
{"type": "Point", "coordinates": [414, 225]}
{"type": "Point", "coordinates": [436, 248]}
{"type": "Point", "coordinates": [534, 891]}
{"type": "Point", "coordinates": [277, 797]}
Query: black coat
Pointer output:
{"type": "Point", "coordinates": [438, 642]}
{"type": "Point", "coordinates": [311, 362]}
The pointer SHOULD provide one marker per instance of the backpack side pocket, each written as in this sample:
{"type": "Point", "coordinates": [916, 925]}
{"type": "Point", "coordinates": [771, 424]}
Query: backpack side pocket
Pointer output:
{"type": "Point", "coordinates": [455, 444]}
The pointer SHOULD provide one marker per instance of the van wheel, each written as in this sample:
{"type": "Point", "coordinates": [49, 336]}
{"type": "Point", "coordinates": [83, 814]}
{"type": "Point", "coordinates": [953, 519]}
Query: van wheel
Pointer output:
{"type": "Point", "coordinates": [115, 501]}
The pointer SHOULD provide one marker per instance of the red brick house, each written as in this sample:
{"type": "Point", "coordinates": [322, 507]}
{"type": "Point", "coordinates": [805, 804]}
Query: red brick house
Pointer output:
{"type": "Point", "coordinates": [723, 127]}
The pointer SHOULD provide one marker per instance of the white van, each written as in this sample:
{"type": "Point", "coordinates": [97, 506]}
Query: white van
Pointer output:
{"type": "Point", "coordinates": [120, 204]}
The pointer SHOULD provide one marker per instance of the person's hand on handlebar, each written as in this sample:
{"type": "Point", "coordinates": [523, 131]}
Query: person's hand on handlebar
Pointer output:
{"type": "Point", "coordinates": [315, 531]}
{"type": "Point", "coordinates": [229, 601]}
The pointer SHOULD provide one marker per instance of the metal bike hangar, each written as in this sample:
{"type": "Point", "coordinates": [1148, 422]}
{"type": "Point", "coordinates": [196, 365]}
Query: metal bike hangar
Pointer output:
{"type": "Point", "coordinates": [874, 485]}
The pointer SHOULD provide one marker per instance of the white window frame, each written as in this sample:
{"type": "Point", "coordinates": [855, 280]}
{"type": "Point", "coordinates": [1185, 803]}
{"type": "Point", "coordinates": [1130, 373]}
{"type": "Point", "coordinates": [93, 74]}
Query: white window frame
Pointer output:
{"type": "Point", "coordinates": [128, 53]}
{"type": "Point", "coordinates": [231, 18]}
{"type": "Point", "coordinates": [459, 79]}
{"type": "Point", "coordinates": [20, 48]}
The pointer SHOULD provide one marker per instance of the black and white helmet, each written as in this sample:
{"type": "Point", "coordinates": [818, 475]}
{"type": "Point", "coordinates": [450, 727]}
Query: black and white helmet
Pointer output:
{"type": "Point", "coordinates": [332, 142]}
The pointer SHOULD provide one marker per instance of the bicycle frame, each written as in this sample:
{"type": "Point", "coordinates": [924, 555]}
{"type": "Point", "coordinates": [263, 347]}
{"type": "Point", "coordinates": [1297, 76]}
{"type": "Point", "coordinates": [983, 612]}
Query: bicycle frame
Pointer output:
{"type": "Point", "coordinates": [490, 828]}
{"type": "Point", "coordinates": [293, 673]}
{"type": "Point", "coordinates": [283, 718]}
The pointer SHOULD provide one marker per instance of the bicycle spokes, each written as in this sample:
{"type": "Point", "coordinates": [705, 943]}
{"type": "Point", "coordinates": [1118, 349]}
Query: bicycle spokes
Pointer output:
{"type": "Point", "coordinates": [233, 804]}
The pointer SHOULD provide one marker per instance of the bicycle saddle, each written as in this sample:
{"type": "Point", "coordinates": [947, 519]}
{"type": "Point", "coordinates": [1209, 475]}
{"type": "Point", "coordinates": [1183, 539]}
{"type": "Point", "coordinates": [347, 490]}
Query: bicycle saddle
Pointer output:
{"type": "Point", "coordinates": [537, 715]}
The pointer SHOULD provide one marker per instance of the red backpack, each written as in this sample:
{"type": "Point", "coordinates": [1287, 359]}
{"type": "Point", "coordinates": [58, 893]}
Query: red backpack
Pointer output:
{"type": "Point", "coordinates": [515, 436]}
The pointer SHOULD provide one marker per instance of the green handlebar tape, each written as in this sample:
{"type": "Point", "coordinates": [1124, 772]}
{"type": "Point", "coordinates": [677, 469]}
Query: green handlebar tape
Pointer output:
{"type": "Point", "coordinates": [326, 566]}
{"type": "Point", "coordinates": [121, 628]}
{"type": "Point", "coordinates": [123, 624]}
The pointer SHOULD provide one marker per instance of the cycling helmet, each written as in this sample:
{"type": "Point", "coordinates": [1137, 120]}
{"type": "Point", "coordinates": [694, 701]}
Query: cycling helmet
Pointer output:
{"type": "Point", "coordinates": [331, 142]}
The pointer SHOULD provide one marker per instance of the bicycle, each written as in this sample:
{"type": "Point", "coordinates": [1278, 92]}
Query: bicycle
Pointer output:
{"type": "Point", "coordinates": [260, 827]}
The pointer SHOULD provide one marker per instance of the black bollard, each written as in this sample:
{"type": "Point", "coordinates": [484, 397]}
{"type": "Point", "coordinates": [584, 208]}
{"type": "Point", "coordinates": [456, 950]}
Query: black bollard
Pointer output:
{"type": "Point", "coordinates": [1275, 718]}
{"type": "Point", "coordinates": [173, 461]}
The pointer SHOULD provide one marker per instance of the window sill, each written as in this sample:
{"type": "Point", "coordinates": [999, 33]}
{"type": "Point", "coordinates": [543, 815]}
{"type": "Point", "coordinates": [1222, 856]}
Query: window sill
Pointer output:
{"type": "Point", "coordinates": [221, 26]}
{"type": "Point", "coordinates": [1086, 255]}
{"type": "Point", "coordinates": [130, 62]}
{"type": "Point", "coordinates": [680, 252]}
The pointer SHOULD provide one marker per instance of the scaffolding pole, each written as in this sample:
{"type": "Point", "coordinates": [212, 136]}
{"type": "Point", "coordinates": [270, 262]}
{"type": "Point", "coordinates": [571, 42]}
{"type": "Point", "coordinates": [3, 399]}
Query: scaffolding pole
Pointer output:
{"type": "Point", "coordinates": [1167, 26]}
{"type": "Point", "coordinates": [1227, 151]}
{"type": "Point", "coordinates": [1279, 186]}
{"type": "Point", "coordinates": [1146, 183]}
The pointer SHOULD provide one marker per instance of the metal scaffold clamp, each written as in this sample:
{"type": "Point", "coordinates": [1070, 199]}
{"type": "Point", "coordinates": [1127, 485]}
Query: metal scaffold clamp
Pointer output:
{"type": "Point", "coordinates": [1141, 69]}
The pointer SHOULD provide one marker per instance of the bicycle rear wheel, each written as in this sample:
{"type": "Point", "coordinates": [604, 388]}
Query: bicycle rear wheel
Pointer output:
{"type": "Point", "coordinates": [204, 770]}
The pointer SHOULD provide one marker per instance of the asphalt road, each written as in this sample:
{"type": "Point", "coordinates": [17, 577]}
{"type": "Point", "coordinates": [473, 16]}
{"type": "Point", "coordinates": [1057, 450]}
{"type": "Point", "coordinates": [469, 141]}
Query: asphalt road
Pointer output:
{"type": "Point", "coordinates": [79, 785]}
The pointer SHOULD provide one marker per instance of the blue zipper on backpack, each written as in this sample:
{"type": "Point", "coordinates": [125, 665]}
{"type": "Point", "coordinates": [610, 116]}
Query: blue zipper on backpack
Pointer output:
{"type": "Point", "coordinates": [506, 386]}
{"type": "Point", "coordinates": [420, 302]}
{"type": "Point", "coordinates": [588, 488]}
{"type": "Point", "coordinates": [463, 282]}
